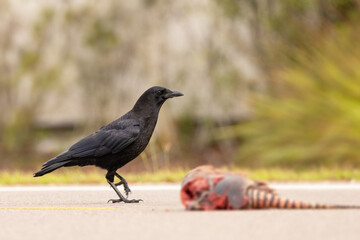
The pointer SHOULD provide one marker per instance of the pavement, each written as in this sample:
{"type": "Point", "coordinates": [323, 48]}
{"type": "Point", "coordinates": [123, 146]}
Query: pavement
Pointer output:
{"type": "Point", "coordinates": [82, 212]}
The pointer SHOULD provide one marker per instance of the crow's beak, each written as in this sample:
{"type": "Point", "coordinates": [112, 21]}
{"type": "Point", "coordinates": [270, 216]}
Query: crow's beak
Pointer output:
{"type": "Point", "coordinates": [172, 94]}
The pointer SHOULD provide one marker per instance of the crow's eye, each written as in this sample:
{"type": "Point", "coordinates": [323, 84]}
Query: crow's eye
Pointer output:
{"type": "Point", "coordinates": [159, 92]}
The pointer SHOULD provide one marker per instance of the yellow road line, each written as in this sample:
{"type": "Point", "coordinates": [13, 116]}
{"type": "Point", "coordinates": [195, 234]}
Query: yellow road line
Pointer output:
{"type": "Point", "coordinates": [61, 208]}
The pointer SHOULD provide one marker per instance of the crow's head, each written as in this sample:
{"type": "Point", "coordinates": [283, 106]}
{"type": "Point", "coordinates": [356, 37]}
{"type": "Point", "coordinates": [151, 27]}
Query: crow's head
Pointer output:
{"type": "Point", "coordinates": [160, 94]}
{"type": "Point", "coordinates": [155, 97]}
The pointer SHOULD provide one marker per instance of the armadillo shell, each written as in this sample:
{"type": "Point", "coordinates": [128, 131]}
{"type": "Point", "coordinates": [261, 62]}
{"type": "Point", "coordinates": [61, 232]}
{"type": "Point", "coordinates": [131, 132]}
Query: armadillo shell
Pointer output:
{"type": "Point", "coordinates": [207, 188]}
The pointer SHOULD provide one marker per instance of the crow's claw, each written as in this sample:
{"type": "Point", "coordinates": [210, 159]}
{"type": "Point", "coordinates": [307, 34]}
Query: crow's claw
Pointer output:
{"type": "Point", "coordinates": [125, 200]}
{"type": "Point", "coordinates": [126, 187]}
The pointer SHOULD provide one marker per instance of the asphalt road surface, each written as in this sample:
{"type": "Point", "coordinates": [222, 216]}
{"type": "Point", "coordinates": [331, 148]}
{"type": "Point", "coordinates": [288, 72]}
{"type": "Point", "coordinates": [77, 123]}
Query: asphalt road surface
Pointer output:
{"type": "Point", "coordinates": [82, 212]}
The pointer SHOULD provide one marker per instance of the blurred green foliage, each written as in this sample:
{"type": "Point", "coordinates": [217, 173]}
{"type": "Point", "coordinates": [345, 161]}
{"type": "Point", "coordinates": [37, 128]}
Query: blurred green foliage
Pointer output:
{"type": "Point", "coordinates": [101, 37]}
{"type": "Point", "coordinates": [312, 116]}
{"type": "Point", "coordinates": [308, 114]}
{"type": "Point", "coordinates": [231, 8]}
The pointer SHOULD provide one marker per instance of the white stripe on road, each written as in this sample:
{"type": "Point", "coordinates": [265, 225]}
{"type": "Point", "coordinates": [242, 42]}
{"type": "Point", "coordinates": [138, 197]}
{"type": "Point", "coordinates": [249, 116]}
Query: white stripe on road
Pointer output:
{"type": "Point", "coordinates": [176, 187]}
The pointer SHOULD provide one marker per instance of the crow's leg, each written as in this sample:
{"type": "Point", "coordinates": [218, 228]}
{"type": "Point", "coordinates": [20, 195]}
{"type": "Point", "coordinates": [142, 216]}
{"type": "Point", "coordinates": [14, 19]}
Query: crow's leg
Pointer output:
{"type": "Point", "coordinates": [121, 197]}
{"type": "Point", "coordinates": [123, 182]}
{"type": "Point", "coordinates": [110, 180]}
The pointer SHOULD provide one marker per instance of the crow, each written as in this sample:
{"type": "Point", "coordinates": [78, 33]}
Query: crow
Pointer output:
{"type": "Point", "coordinates": [116, 144]}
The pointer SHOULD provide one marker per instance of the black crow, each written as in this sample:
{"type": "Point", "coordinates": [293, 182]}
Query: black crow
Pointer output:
{"type": "Point", "coordinates": [117, 143]}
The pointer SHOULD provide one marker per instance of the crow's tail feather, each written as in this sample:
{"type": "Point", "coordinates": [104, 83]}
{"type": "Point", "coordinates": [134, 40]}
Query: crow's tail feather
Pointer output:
{"type": "Point", "coordinates": [49, 168]}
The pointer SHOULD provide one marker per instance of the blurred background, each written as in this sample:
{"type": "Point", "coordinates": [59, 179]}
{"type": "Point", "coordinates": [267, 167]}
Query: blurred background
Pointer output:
{"type": "Point", "coordinates": [266, 83]}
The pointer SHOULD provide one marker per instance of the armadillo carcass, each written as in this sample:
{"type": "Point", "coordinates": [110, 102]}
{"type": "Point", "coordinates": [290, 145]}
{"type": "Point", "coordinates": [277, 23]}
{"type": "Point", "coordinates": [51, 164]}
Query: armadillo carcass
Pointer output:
{"type": "Point", "coordinates": [208, 188]}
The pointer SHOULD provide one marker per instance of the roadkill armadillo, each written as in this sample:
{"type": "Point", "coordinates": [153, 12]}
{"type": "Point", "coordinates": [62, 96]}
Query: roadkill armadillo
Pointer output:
{"type": "Point", "coordinates": [208, 188]}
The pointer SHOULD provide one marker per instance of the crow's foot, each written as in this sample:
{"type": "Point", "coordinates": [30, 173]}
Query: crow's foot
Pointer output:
{"type": "Point", "coordinates": [125, 200]}
{"type": "Point", "coordinates": [121, 197]}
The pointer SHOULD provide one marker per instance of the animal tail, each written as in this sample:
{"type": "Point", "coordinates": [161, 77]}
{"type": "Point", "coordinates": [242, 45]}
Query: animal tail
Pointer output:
{"type": "Point", "coordinates": [260, 199]}
{"type": "Point", "coordinates": [51, 167]}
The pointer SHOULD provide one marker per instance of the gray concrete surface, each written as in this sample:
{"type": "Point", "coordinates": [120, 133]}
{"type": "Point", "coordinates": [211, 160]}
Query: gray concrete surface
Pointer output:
{"type": "Point", "coordinates": [161, 216]}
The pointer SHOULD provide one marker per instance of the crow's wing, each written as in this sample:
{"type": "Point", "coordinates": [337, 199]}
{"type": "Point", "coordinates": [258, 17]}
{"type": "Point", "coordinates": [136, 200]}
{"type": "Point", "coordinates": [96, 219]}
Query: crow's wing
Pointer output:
{"type": "Point", "coordinates": [102, 142]}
